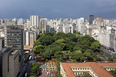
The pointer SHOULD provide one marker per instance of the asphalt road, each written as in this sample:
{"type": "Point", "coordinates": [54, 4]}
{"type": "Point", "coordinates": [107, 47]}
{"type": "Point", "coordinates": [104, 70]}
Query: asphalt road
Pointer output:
{"type": "Point", "coordinates": [29, 63]}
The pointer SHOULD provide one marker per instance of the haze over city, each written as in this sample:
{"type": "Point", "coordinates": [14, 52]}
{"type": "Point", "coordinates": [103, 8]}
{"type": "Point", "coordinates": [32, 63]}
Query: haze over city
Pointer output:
{"type": "Point", "coordinates": [57, 8]}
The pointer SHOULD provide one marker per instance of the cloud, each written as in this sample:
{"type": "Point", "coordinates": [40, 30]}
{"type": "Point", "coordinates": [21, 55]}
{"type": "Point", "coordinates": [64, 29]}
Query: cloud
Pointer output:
{"type": "Point", "coordinates": [57, 8]}
{"type": "Point", "coordinates": [106, 3]}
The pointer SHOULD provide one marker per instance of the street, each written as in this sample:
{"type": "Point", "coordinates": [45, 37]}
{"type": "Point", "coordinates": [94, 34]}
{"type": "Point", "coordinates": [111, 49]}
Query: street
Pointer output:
{"type": "Point", "coordinates": [28, 64]}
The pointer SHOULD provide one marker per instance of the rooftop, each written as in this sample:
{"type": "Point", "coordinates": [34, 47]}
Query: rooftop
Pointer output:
{"type": "Point", "coordinates": [96, 67]}
{"type": "Point", "coordinates": [14, 52]}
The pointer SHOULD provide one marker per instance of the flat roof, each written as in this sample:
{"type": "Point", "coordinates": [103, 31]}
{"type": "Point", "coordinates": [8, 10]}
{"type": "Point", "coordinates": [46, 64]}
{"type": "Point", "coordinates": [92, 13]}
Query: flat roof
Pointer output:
{"type": "Point", "coordinates": [14, 52]}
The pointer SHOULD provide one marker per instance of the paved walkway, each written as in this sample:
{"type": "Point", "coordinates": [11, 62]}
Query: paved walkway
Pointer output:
{"type": "Point", "coordinates": [50, 67]}
{"type": "Point", "coordinates": [44, 74]}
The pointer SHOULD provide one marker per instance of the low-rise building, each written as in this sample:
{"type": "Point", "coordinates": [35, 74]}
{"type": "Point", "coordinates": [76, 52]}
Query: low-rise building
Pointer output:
{"type": "Point", "coordinates": [92, 68]}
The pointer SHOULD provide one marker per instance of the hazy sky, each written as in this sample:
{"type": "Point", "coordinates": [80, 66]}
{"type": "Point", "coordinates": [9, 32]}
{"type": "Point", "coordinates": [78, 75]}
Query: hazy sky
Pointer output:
{"type": "Point", "coordinates": [57, 8]}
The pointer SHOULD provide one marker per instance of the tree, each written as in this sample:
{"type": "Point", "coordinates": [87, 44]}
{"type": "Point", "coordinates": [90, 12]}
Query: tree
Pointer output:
{"type": "Point", "coordinates": [65, 46]}
{"type": "Point", "coordinates": [46, 40]}
{"type": "Point", "coordinates": [70, 45]}
{"type": "Point", "coordinates": [86, 40]}
{"type": "Point", "coordinates": [58, 54]}
{"type": "Point", "coordinates": [33, 75]}
{"type": "Point", "coordinates": [95, 45]}
{"type": "Point", "coordinates": [50, 50]}
{"type": "Point", "coordinates": [77, 48]}
{"type": "Point", "coordinates": [38, 48]}
{"type": "Point", "coordinates": [66, 55]}
{"type": "Point", "coordinates": [82, 58]}
{"type": "Point", "coordinates": [37, 42]}
{"type": "Point", "coordinates": [88, 55]}
{"type": "Point", "coordinates": [77, 34]}
{"type": "Point", "coordinates": [73, 61]}
{"type": "Point", "coordinates": [76, 55]}
{"type": "Point", "coordinates": [58, 68]}
{"type": "Point", "coordinates": [60, 41]}
{"type": "Point", "coordinates": [49, 34]}
{"type": "Point", "coordinates": [47, 54]}
{"type": "Point", "coordinates": [86, 74]}
{"type": "Point", "coordinates": [35, 67]}
{"type": "Point", "coordinates": [113, 72]}
{"type": "Point", "coordinates": [98, 58]}
{"type": "Point", "coordinates": [59, 35]}
{"type": "Point", "coordinates": [113, 59]}
{"type": "Point", "coordinates": [72, 37]}
{"type": "Point", "coordinates": [40, 35]}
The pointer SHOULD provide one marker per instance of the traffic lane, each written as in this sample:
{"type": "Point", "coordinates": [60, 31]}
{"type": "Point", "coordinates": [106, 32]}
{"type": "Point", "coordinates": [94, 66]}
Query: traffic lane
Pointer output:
{"type": "Point", "coordinates": [32, 54]}
{"type": "Point", "coordinates": [28, 69]}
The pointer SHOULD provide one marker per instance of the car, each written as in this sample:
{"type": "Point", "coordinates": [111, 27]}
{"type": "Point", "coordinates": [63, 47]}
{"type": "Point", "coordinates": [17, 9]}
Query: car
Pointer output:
{"type": "Point", "coordinates": [25, 74]}
{"type": "Point", "coordinates": [30, 57]}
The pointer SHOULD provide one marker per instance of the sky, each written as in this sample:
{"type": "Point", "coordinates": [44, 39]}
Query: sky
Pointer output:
{"type": "Point", "coordinates": [57, 8]}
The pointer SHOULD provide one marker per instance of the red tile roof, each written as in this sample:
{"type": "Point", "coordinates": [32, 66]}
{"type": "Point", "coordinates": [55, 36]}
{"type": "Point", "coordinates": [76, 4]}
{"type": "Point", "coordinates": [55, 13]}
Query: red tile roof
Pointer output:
{"type": "Point", "coordinates": [97, 67]}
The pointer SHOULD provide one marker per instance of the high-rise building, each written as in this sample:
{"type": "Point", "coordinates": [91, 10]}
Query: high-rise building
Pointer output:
{"type": "Point", "coordinates": [29, 39]}
{"type": "Point", "coordinates": [112, 39]}
{"type": "Point", "coordinates": [14, 38]}
{"type": "Point", "coordinates": [9, 62]}
{"type": "Point", "coordinates": [90, 19]}
{"type": "Point", "coordinates": [80, 23]}
{"type": "Point", "coordinates": [47, 28]}
{"type": "Point", "coordinates": [1, 43]}
{"type": "Point", "coordinates": [35, 20]}
{"type": "Point", "coordinates": [43, 25]}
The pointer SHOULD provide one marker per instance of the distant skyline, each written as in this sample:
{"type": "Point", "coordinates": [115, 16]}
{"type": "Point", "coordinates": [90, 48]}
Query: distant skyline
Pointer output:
{"type": "Point", "coordinates": [57, 8]}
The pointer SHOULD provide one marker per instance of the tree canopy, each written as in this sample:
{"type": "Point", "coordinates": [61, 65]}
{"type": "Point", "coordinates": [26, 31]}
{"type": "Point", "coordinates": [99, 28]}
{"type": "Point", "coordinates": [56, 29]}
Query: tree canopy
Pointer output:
{"type": "Point", "coordinates": [35, 67]}
{"type": "Point", "coordinates": [65, 46]}
{"type": "Point", "coordinates": [113, 72]}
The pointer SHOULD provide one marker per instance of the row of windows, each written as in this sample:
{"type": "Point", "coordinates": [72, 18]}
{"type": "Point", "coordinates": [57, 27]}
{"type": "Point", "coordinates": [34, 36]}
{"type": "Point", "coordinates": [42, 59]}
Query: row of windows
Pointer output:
{"type": "Point", "coordinates": [80, 68]}
{"type": "Point", "coordinates": [110, 68]}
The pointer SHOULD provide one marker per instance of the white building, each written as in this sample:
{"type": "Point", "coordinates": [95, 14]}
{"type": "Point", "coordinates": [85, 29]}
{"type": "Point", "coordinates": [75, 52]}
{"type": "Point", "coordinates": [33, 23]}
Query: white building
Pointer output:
{"type": "Point", "coordinates": [43, 25]}
{"type": "Point", "coordinates": [20, 21]}
{"type": "Point", "coordinates": [35, 20]}
{"type": "Point", "coordinates": [68, 28]}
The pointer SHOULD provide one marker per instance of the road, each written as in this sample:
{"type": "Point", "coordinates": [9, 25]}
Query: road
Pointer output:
{"type": "Point", "coordinates": [29, 63]}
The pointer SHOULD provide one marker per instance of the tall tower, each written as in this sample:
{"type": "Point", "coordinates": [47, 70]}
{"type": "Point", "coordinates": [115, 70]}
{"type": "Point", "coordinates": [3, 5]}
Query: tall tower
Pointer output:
{"type": "Point", "coordinates": [90, 19]}
{"type": "Point", "coordinates": [35, 20]}
{"type": "Point", "coordinates": [43, 25]}
{"type": "Point", "coordinates": [14, 38]}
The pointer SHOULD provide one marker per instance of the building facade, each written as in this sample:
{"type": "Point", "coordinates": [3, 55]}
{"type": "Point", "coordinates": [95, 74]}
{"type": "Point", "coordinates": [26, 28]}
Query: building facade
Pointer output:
{"type": "Point", "coordinates": [9, 62]}
{"type": "Point", "coordinates": [14, 38]}
{"type": "Point", "coordinates": [92, 68]}
{"type": "Point", "coordinates": [1, 43]}
{"type": "Point", "coordinates": [90, 19]}
{"type": "Point", "coordinates": [35, 20]}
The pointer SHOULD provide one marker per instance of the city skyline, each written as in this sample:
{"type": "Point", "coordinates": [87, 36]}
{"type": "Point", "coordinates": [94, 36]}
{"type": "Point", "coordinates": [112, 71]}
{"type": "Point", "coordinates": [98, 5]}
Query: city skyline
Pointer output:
{"type": "Point", "coordinates": [57, 9]}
